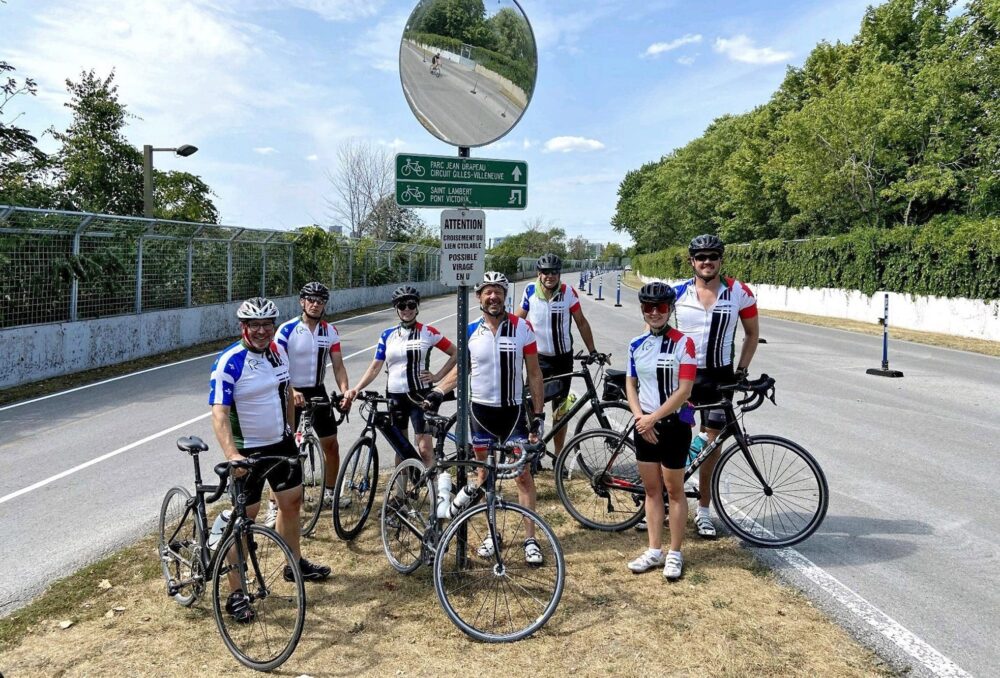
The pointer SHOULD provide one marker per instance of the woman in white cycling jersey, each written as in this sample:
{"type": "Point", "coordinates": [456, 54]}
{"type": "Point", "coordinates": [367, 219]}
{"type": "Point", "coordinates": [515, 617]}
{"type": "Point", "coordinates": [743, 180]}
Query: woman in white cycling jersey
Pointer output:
{"type": "Point", "coordinates": [661, 372]}
{"type": "Point", "coordinates": [405, 351]}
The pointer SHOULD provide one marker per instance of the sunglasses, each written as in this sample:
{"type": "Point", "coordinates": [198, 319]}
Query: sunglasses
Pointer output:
{"type": "Point", "coordinates": [407, 306]}
{"type": "Point", "coordinates": [315, 300]}
{"type": "Point", "coordinates": [661, 308]}
{"type": "Point", "coordinates": [711, 256]}
{"type": "Point", "coordinates": [549, 271]}
{"type": "Point", "coordinates": [257, 327]}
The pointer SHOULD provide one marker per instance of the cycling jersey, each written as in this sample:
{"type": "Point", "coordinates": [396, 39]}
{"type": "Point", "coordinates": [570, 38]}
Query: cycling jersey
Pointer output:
{"type": "Point", "coordinates": [254, 386]}
{"type": "Point", "coordinates": [714, 329]}
{"type": "Point", "coordinates": [496, 359]}
{"type": "Point", "coordinates": [406, 352]}
{"type": "Point", "coordinates": [308, 351]}
{"type": "Point", "coordinates": [551, 317]}
{"type": "Point", "coordinates": [659, 363]}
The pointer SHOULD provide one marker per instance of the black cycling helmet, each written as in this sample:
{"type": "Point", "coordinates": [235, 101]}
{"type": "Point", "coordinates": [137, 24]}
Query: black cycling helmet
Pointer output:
{"type": "Point", "coordinates": [549, 261]}
{"type": "Point", "coordinates": [657, 293]}
{"type": "Point", "coordinates": [404, 292]}
{"type": "Point", "coordinates": [706, 243]}
{"type": "Point", "coordinates": [315, 289]}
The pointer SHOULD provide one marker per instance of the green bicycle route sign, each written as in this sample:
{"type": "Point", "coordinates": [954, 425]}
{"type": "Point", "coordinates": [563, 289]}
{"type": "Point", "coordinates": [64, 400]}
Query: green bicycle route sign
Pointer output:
{"type": "Point", "coordinates": [449, 182]}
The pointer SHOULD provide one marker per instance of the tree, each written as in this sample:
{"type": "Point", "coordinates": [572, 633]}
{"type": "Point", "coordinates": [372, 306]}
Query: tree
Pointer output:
{"type": "Point", "coordinates": [182, 196]}
{"type": "Point", "coordinates": [363, 181]}
{"type": "Point", "coordinates": [576, 248]}
{"type": "Point", "coordinates": [389, 221]}
{"type": "Point", "coordinates": [99, 171]}
{"type": "Point", "coordinates": [23, 166]}
{"type": "Point", "coordinates": [613, 251]}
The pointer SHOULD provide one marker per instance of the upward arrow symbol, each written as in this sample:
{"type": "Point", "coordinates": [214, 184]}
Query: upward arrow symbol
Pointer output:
{"type": "Point", "coordinates": [516, 173]}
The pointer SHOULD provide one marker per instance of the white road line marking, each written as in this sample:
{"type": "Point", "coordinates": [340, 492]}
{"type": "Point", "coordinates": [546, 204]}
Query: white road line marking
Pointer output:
{"type": "Point", "coordinates": [109, 455]}
{"type": "Point", "coordinates": [902, 637]}
{"type": "Point", "coordinates": [96, 460]}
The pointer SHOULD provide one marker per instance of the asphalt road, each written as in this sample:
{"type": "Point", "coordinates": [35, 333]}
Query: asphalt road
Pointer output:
{"type": "Point", "coordinates": [465, 108]}
{"type": "Point", "coordinates": [912, 465]}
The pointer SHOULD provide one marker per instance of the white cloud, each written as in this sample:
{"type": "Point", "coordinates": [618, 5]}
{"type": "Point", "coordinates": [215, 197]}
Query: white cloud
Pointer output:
{"type": "Point", "coordinates": [312, 158]}
{"type": "Point", "coordinates": [741, 48]}
{"type": "Point", "coordinates": [658, 48]}
{"type": "Point", "coordinates": [393, 145]}
{"type": "Point", "coordinates": [265, 150]}
{"type": "Point", "coordinates": [337, 10]}
{"type": "Point", "coordinates": [570, 144]}
{"type": "Point", "coordinates": [379, 46]}
{"type": "Point", "coordinates": [685, 60]}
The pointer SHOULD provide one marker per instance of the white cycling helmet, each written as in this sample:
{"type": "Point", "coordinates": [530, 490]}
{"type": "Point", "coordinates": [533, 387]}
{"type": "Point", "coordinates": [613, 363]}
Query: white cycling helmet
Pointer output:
{"type": "Point", "coordinates": [493, 278]}
{"type": "Point", "coordinates": [257, 308]}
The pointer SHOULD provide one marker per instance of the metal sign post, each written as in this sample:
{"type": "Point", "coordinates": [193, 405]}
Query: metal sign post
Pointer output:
{"type": "Point", "coordinates": [884, 371]}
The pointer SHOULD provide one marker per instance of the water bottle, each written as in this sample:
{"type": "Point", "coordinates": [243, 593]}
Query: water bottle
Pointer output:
{"type": "Point", "coordinates": [444, 497]}
{"type": "Point", "coordinates": [462, 499]}
{"type": "Point", "coordinates": [697, 445]}
{"type": "Point", "coordinates": [218, 527]}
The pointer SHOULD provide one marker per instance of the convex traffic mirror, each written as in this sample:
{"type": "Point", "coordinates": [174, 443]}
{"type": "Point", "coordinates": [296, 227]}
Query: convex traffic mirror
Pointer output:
{"type": "Point", "coordinates": [468, 71]}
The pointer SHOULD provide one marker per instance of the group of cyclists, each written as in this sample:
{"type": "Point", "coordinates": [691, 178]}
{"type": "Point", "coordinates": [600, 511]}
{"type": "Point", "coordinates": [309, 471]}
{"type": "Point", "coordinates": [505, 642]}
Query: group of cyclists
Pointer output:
{"type": "Point", "coordinates": [259, 385]}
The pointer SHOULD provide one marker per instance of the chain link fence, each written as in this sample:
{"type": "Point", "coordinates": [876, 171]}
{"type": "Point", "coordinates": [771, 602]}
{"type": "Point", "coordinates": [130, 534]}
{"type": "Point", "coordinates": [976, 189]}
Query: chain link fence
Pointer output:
{"type": "Point", "coordinates": [60, 266]}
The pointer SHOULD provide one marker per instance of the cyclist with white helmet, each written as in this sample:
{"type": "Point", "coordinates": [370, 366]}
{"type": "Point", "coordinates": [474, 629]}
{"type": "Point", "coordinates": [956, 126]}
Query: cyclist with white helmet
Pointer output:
{"type": "Point", "coordinates": [500, 343]}
{"type": "Point", "coordinates": [661, 372]}
{"type": "Point", "coordinates": [709, 308]}
{"type": "Point", "coordinates": [310, 341]}
{"type": "Point", "coordinates": [405, 351]}
{"type": "Point", "coordinates": [552, 306]}
{"type": "Point", "coordinates": [251, 398]}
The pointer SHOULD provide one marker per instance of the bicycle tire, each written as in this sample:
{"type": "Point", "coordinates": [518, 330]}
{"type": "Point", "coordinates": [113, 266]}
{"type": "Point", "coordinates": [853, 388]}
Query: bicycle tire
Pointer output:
{"type": "Point", "coordinates": [590, 493]}
{"type": "Point", "coordinates": [795, 508]}
{"type": "Point", "coordinates": [313, 485]}
{"type": "Point", "coordinates": [618, 412]}
{"type": "Point", "coordinates": [181, 537]}
{"type": "Point", "coordinates": [278, 606]}
{"type": "Point", "coordinates": [537, 588]}
{"type": "Point", "coordinates": [408, 509]}
{"type": "Point", "coordinates": [358, 477]}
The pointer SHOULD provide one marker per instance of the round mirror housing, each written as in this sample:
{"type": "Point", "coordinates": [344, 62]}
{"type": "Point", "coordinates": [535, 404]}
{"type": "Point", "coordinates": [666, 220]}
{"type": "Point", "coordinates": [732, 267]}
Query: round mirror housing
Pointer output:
{"type": "Point", "coordinates": [468, 75]}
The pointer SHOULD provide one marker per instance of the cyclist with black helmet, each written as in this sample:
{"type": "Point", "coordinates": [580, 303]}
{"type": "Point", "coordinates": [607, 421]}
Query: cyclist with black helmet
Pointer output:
{"type": "Point", "coordinates": [500, 343]}
{"type": "Point", "coordinates": [405, 351]}
{"type": "Point", "coordinates": [661, 372]}
{"type": "Point", "coordinates": [310, 341]}
{"type": "Point", "coordinates": [250, 393]}
{"type": "Point", "coordinates": [709, 307]}
{"type": "Point", "coordinates": [551, 306]}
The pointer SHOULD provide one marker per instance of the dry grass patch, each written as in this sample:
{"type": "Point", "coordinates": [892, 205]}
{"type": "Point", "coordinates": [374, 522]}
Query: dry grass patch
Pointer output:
{"type": "Point", "coordinates": [726, 617]}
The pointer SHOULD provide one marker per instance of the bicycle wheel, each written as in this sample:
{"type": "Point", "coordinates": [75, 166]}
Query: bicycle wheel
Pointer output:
{"type": "Point", "coordinates": [499, 598]}
{"type": "Point", "coordinates": [313, 485]}
{"type": "Point", "coordinates": [357, 481]}
{"type": "Point", "coordinates": [179, 546]}
{"type": "Point", "coordinates": [408, 513]}
{"type": "Point", "coordinates": [277, 606]}
{"type": "Point", "coordinates": [617, 413]}
{"type": "Point", "coordinates": [788, 510]}
{"type": "Point", "coordinates": [600, 494]}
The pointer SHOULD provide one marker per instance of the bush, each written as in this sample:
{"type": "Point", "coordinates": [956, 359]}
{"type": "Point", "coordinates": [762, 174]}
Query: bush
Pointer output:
{"type": "Point", "coordinates": [951, 256]}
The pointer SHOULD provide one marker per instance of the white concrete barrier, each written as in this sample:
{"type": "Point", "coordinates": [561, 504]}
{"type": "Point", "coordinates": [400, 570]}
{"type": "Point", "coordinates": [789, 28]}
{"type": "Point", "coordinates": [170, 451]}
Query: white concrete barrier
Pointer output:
{"type": "Point", "coordinates": [38, 352]}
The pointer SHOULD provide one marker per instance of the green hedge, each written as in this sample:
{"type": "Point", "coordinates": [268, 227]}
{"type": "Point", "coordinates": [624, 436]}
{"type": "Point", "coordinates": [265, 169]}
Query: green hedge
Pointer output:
{"type": "Point", "coordinates": [519, 73]}
{"type": "Point", "coordinates": [947, 257]}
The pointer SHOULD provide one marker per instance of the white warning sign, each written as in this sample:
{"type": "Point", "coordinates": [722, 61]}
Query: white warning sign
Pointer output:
{"type": "Point", "coordinates": [463, 247]}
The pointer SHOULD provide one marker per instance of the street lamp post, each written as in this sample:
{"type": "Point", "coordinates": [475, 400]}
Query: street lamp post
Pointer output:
{"type": "Point", "coordinates": [147, 173]}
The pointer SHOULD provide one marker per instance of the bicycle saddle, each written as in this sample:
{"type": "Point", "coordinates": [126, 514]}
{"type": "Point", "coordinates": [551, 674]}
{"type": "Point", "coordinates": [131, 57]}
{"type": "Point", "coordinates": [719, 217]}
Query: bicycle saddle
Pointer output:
{"type": "Point", "coordinates": [191, 444]}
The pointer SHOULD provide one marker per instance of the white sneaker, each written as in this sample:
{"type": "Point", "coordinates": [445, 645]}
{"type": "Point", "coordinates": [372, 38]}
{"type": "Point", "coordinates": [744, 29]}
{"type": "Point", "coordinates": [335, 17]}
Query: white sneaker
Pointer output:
{"type": "Point", "coordinates": [642, 525]}
{"type": "Point", "coordinates": [485, 549]}
{"type": "Point", "coordinates": [345, 498]}
{"type": "Point", "coordinates": [532, 552]}
{"type": "Point", "coordinates": [647, 561]}
{"type": "Point", "coordinates": [673, 567]}
{"type": "Point", "coordinates": [271, 517]}
{"type": "Point", "coordinates": [706, 528]}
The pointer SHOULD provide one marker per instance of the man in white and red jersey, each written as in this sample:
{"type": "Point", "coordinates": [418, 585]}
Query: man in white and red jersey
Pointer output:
{"type": "Point", "coordinates": [551, 306]}
{"type": "Point", "coordinates": [500, 343]}
{"type": "Point", "coordinates": [310, 341]}
{"type": "Point", "coordinates": [709, 307]}
{"type": "Point", "coordinates": [405, 351]}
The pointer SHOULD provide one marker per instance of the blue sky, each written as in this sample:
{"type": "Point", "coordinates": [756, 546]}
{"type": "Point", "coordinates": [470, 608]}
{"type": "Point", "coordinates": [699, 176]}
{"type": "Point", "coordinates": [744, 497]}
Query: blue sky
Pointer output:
{"type": "Point", "coordinates": [269, 89]}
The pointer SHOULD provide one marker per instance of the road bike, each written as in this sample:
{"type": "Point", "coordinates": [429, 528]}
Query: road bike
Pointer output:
{"type": "Point", "coordinates": [767, 490]}
{"type": "Point", "coordinates": [481, 576]}
{"type": "Point", "coordinates": [263, 629]}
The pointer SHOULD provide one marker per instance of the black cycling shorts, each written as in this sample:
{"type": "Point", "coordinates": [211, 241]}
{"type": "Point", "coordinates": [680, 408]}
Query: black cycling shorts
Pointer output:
{"type": "Point", "coordinates": [557, 389]}
{"type": "Point", "coordinates": [497, 424]}
{"type": "Point", "coordinates": [671, 448]}
{"type": "Point", "coordinates": [279, 475]}
{"type": "Point", "coordinates": [405, 409]}
{"type": "Point", "coordinates": [706, 390]}
{"type": "Point", "coordinates": [323, 419]}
